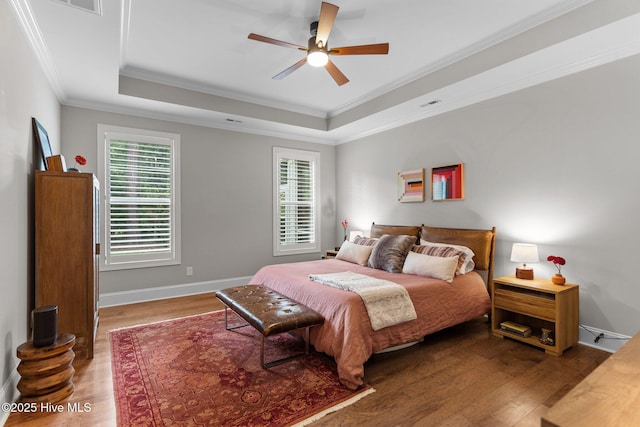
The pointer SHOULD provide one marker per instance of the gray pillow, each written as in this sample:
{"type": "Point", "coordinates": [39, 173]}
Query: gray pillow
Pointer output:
{"type": "Point", "coordinates": [390, 252]}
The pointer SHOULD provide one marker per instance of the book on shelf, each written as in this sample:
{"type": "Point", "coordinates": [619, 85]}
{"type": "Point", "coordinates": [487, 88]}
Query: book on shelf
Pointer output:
{"type": "Point", "coordinates": [515, 328]}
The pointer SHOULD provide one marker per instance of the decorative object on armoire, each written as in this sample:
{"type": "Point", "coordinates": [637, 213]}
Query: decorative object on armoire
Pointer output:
{"type": "Point", "coordinates": [67, 251]}
{"type": "Point", "coordinates": [558, 262]}
{"type": "Point", "coordinates": [447, 182]}
{"type": "Point", "coordinates": [56, 163]}
{"type": "Point", "coordinates": [345, 224]}
{"type": "Point", "coordinates": [411, 186]}
{"type": "Point", "coordinates": [45, 325]}
{"type": "Point", "coordinates": [524, 253]}
{"type": "Point", "coordinates": [79, 161]}
{"type": "Point", "coordinates": [42, 137]}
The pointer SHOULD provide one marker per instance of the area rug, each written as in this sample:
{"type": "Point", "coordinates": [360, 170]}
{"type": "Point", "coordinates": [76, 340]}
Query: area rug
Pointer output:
{"type": "Point", "coordinates": [193, 372]}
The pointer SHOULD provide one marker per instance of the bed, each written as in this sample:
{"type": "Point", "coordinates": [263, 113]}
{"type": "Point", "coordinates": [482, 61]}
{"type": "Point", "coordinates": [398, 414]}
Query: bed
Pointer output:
{"type": "Point", "coordinates": [347, 334]}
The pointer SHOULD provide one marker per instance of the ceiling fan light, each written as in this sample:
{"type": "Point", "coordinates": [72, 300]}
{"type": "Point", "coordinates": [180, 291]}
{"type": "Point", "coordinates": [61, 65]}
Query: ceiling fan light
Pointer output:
{"type": "Point", "coordinates": [317, 58]}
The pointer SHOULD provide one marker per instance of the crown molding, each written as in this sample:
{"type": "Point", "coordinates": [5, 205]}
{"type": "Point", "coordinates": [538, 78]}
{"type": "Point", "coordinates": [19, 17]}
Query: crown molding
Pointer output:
{"type": "Point", "coordinates": [480, 45]}
{"type": "Point", "coordinates": [31, 30]}
{"type": "Point", "coordinates": [214, 121]}
{"type": "Point", "coordinates": [206, 89]}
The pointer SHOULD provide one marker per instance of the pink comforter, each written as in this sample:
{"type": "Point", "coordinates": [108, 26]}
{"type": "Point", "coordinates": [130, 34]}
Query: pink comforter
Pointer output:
{"type": "Point", "coordinates": [347, 334]}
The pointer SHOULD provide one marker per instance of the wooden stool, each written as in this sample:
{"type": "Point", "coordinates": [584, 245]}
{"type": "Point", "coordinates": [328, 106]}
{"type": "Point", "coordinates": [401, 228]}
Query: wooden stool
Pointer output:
{"type": "Point", "coordinates": [46, 372]}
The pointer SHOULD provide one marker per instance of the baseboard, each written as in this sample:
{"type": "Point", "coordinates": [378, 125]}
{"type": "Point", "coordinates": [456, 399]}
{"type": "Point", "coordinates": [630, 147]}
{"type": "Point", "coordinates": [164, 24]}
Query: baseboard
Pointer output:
{"type": "Point", "coordinates": [9, 393]}
{"type": "Point", "coordinates": [163, 292]}
{"type": "Point", "coordinates": [609, 342]}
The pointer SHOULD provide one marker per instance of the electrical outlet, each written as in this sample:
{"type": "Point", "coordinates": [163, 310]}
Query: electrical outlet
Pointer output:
{"type": "Point", "coordinates": [189, 271]}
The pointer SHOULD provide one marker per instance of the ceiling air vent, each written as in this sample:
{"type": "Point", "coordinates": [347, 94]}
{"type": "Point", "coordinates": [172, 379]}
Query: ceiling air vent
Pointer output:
{"type": "Point", "coordinates": [93, 6]}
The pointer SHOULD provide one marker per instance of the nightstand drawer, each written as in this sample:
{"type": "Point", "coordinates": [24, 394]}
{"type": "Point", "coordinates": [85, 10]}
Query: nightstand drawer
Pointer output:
{"type": "Point", "coordinates": [525, 303]}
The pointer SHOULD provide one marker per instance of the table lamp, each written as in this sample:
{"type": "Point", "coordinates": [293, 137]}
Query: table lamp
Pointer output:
{"type": "Point", "coordinates": [524, 253]}
{"type": "Point", "coordinates": [355, 233]}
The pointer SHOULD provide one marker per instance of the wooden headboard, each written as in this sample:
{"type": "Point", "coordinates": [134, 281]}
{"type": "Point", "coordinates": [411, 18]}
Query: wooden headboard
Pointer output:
{"type": "Point", "coordinates": [378, 230]}
{"type": "Point", "coordinates": [481, 242]}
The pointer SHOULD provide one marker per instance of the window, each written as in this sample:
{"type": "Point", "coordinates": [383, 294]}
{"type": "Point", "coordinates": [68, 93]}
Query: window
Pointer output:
{"type": "Point", "coordinates": [296, 189]}
{"type": "Point", "coordinates": [139, 179]}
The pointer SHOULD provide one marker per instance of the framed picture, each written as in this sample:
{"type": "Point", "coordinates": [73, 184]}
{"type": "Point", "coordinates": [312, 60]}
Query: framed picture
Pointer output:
{"type": "Point", "coordinates": [42, 138]}
{"type": "Point", "coordinates": [447, 182]}
{"type": "Point", "coordinates": [411, 186]}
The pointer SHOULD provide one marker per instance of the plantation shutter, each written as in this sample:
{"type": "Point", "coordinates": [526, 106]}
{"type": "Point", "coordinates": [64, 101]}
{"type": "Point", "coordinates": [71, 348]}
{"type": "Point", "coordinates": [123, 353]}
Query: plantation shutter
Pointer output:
{"type": "Point", "coordinates": [296, 228]}
{"type": "Point", "coordinates": [141, 209]}
{"type": "Point", "coordinates": [140, 189]}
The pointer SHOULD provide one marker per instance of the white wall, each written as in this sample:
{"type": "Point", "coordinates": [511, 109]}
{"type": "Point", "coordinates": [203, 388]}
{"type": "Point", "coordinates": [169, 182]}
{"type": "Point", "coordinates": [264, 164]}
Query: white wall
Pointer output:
{"type": "Point", "coordinates": [24, 93]}
{"type": "Point", "coordinates": [554, 165]}
{"type": "Point", "coordinates": [226, 203]}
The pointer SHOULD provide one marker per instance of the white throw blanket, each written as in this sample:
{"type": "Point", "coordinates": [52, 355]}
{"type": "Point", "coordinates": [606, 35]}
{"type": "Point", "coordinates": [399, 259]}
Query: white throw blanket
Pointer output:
{"type": "Point", "coordinates": [387, 303]}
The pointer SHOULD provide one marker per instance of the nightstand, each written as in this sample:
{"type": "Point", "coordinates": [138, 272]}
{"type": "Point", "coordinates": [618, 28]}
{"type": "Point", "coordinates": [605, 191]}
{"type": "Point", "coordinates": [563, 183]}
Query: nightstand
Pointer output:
{"type": "Point", "coordinates": [538, 304]}
{"type": "Point", "coordinates": [330, 254]}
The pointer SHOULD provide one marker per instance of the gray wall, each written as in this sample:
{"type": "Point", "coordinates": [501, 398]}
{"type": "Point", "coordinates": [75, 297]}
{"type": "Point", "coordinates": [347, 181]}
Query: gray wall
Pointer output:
{"type": "Point", "coordinates": [554, 165]}
{"type": "Point", "coordinates": [24, 93]}
{"type": "Point", "coordinates": [226, 199]}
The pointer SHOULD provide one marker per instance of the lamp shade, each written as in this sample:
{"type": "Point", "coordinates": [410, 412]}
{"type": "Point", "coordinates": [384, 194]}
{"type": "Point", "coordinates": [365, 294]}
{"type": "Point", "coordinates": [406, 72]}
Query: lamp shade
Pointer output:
{"type": "Point", "coordinates": [524, 252]}
{"type": "Point", "coordinates": [355, 233]}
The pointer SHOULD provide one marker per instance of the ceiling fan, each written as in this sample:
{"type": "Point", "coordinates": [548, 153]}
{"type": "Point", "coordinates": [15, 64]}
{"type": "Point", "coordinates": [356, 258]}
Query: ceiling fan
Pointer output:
{"type": "Point", "coordinates": [318, 50]}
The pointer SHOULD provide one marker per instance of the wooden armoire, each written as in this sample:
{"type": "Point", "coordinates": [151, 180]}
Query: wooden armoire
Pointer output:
{"type": "Point", "coordinates": [67, 251]}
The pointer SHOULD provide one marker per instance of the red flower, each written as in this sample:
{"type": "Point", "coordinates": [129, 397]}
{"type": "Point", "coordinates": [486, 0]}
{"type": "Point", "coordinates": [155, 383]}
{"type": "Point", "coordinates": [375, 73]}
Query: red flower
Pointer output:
{"type": "Point", "coordinates": [80, 160]}
{"type": "Point", "coordinates": [345, 224]}
{"type": "Point", "coordinates": [558, 261]}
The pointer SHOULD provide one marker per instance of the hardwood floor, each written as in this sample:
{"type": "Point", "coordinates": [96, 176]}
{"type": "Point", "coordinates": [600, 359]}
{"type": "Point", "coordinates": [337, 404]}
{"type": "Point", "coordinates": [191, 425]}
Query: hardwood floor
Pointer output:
{"type": "Point", "coordinates": [463, 376]}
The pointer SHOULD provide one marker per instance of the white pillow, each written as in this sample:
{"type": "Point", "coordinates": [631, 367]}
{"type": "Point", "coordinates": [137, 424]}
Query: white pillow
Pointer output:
{"type": "Point", "coordinates": [357, 254]}
{"type": "Point", "coordinates": [468, 264]}
{"type": "Point", "coordinates": [443, 268]}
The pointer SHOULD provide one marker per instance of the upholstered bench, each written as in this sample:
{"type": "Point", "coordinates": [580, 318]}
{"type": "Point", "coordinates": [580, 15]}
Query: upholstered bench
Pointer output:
{"type": "Point", "coordinates": [269, 313]}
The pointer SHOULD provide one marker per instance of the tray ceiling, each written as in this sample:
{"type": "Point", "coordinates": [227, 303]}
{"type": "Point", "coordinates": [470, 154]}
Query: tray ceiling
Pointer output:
{"type": "Point", "coordinates": [191, 61]}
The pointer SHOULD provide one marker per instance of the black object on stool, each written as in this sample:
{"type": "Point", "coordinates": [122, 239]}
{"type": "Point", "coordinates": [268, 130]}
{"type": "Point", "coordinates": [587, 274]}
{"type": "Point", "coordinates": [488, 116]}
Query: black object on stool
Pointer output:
{"type": "Point", "coordinates": [45, 325]}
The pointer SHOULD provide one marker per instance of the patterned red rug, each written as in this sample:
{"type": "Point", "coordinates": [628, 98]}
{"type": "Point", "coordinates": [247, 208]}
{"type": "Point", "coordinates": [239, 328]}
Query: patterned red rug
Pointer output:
{"type": "Point", "coordinates": [192, 372]}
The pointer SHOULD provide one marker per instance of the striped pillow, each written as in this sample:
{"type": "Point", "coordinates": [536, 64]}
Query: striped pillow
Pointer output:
{"type": "Point", "coordinates": [443, 251]}
{"type": "Point", "coordinates": [365, 241]}
{"type": "Point", "coordinates": [467, 263]}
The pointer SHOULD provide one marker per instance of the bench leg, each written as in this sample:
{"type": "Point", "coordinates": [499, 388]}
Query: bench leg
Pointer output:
{"type": "Point", "coordinates": [226, 321]}
{"type": "Point", "coordinates": [266, 365]}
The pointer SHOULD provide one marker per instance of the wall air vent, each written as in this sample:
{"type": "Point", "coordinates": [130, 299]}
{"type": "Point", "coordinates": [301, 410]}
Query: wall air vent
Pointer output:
{"type": "Point", "coordinates": [93, 6]}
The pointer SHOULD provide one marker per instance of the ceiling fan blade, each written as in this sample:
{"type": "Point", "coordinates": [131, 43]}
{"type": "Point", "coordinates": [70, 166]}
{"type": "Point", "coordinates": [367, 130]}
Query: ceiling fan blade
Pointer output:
{"type": "Point", "coordinates": [269, 40]}
{"type": "Point", "coordinates": [336, 73]}
{"type": "Point", "coordinates": [281, 75]}
{"type": "Point", "coordinates": [367, 49]}
{"type": "Point", "coordinates": [328, 14]}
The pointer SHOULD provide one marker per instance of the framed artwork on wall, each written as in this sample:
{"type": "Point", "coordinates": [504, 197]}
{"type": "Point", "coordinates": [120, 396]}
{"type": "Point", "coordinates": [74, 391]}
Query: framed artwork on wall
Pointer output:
{"type": "Point", "coordinates": [42, 138]}
{"type": "Point", "coordinates": [447, 182]}
{"type": "Point", "coordinates": [411, 186]}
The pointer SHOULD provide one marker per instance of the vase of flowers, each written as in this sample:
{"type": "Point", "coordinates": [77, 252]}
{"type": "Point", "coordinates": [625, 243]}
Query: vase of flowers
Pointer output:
{"type": "Point", "coordinates": [345, 224]}
{"type": "Point", "coordinates": [80, 160]}
{"type": "Point", "coordinates": [558, 262]}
